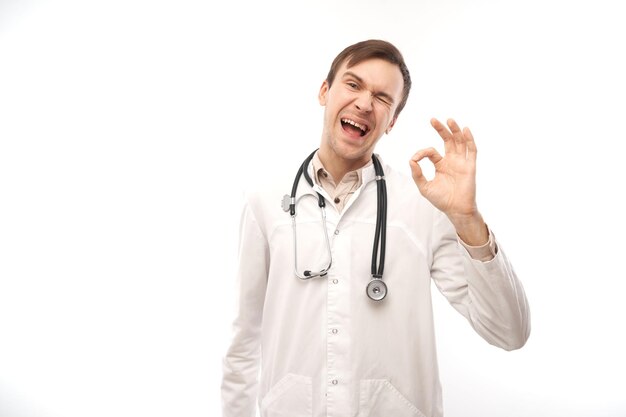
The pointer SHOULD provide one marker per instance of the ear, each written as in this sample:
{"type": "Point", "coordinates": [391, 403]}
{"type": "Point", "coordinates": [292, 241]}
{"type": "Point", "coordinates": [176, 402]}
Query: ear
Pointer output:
{"type": "Point", "coordinates": [323, 92]}
{"type": "Point", "coordinates": [393, 122]}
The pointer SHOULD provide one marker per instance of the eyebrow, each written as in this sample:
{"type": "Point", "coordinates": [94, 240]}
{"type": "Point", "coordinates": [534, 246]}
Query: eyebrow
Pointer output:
{"type": "Point", "coordinates": [349, 74]}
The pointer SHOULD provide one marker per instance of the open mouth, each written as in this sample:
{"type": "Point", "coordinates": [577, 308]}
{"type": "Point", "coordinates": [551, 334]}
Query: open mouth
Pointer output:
{"type": "Point", "coordinates": [353, 127]}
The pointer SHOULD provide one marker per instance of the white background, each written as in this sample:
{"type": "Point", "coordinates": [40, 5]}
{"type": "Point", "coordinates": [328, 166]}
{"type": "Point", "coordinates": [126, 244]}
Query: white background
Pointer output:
{"type": "Point", "coordinates": [129, 130]}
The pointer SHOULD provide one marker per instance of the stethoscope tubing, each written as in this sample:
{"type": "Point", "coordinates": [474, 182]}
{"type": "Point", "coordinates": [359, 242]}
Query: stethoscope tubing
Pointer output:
{"type": "Point", "coordinates": [310, 274]}
{"type": "Point", "coordinates": [381, 222]}
{"type": "Point", "coordinates": [376, 289]}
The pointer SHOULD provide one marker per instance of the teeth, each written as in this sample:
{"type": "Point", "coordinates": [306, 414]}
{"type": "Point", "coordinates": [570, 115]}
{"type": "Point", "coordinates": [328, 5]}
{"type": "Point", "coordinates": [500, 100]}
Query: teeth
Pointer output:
{"type": "Point", "coordinates": [353, 123]}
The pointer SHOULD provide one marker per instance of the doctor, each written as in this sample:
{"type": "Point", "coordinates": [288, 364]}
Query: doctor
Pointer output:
{"type": "Point", "coordinates": [321, 347]}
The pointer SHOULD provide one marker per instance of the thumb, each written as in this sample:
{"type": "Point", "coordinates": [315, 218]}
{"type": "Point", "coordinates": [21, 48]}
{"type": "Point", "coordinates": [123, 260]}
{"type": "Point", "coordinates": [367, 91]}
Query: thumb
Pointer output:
{"type": "Point", "coordinates": [416, 171]}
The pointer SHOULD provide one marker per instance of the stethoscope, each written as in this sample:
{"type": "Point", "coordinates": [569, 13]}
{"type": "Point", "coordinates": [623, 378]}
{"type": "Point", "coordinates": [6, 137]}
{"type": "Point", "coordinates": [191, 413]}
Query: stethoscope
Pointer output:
{"type": "Point", "coordinates": [376, 289]}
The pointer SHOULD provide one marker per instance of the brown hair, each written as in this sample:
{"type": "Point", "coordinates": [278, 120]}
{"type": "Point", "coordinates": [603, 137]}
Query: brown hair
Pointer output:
{"type": "Point", "coordinates": [370, 49]}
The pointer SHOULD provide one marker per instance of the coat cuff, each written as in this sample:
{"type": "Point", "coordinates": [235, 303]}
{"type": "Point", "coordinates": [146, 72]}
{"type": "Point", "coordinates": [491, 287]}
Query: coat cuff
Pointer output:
{"type": "Point", "coordinates": [483, 253]}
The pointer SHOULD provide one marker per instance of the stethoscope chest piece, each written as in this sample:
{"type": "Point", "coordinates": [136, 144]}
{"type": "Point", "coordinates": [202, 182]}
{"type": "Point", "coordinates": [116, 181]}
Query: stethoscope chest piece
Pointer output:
{"type": "Point", "coordinates": [376, 289]}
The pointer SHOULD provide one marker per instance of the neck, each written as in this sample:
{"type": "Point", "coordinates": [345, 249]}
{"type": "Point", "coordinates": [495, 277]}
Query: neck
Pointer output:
{"type": "Point", "coordinates": [338, 167]}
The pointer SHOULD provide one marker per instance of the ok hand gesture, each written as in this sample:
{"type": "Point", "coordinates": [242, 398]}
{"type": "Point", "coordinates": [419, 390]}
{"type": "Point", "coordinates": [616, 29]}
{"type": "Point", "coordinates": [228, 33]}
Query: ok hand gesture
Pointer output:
{"type": "Point", "coordinates": [453, 189]}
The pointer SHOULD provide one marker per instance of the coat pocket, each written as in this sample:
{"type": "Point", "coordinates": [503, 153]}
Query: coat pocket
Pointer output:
{"type": "Point", "coordinates": [378, 397]}
{"type": "Point", "coordinates": [291, 396]}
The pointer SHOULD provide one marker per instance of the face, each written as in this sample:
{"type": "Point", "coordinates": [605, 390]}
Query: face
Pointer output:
{"type": "Point", "coordinates": [360, 107]}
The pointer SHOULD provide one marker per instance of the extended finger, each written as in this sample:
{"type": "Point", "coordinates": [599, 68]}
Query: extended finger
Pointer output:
{"type": "Point", "coordinates": [446, 135]}
{"type": "Point", "coordinates": [457, 134]}
{"type": "Point", "coordinates": [469, 141]}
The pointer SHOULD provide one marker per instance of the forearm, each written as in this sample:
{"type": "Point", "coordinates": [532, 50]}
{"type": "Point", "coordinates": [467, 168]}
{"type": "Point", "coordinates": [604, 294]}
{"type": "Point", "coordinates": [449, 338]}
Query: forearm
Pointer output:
{"type": "Point", "coordinates": [487, 293]}
{"type": "Point", "coordinates": [496, 302]}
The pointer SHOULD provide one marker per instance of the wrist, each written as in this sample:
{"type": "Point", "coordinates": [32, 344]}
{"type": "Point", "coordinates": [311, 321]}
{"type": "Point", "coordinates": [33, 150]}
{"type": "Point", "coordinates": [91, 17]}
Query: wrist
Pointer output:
{"type": "Point", "coordinates": [471, 229]}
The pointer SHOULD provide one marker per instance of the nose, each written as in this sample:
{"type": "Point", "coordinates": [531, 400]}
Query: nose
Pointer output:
{"type": "Point", "coordinates": [364, 101]}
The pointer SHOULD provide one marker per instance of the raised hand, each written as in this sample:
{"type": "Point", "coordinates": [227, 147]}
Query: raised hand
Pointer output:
{"type": "Point", "coordinates": [453, 188]}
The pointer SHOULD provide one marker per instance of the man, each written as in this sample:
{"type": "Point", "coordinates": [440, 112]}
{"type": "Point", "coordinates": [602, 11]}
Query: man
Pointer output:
{"type": "Point", "coordinates": [329, 344]}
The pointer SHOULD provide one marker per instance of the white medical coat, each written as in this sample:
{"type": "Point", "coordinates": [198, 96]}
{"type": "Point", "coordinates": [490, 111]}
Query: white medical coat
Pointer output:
{"type": "Point", "coordinates": [322, 346]}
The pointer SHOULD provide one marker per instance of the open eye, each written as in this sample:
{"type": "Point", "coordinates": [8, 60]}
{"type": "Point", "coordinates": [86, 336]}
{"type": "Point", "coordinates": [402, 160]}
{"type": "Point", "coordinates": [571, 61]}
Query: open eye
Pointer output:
{"type": "Point", "coordinates": [352, 85]}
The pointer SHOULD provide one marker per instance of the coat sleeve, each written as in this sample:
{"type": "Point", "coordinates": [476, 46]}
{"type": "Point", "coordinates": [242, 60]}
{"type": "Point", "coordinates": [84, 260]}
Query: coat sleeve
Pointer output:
{"type": "Point", "coordinates": [241, 363]}
{"type": "Point", "coordinates": [488, 294]}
